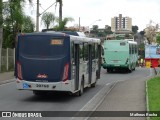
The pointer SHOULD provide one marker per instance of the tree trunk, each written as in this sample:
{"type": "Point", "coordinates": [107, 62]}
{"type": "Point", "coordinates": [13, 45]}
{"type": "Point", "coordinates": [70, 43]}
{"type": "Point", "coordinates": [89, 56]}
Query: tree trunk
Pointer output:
{"type": "Point", "coordinates": [1, 30]}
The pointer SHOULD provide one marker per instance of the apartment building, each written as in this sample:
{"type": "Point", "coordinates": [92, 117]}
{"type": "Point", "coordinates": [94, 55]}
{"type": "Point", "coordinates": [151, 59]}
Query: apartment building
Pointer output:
{"type": "Point", "coordinates": [121, 24]}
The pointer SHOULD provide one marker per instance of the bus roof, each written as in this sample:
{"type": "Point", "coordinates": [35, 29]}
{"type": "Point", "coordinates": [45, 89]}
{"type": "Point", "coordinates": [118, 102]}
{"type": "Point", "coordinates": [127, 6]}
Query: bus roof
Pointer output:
{"type": "Point", "coordinates": [45, 33]}
{"type": "Point", "coordinates": [78, 39]}
{"type": "Point", "coordinates": [75, 33]}
{"type": "Point", "coordinates": [59, 33]}
{"type": "Point", "coordinates": [125, 40]}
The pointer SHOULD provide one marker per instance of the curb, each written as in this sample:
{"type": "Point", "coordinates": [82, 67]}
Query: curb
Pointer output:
{"type": "Point", "coordinates": [147, 102]}
{"type": "Point", "coordinates": [7, 81]}
{"type": "Point", "coordinates": [94, 103]}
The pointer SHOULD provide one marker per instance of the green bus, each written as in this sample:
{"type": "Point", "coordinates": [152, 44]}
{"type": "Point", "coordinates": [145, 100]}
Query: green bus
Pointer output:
{"type": "Point", "coordinates": [120, 55]}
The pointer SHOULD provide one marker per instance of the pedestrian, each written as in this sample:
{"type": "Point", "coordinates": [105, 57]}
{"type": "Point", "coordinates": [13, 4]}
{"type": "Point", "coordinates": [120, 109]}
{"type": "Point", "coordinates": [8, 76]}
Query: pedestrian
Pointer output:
{"type": "Point", "coordinates": [142, 62]}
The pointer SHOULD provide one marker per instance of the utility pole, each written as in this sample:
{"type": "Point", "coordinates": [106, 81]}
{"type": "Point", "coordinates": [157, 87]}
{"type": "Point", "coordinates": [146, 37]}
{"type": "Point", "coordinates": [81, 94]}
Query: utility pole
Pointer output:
{"type": "Point", "coordinates": [60, 10]}
{"type": "Point", "coordinates": [37, 17]}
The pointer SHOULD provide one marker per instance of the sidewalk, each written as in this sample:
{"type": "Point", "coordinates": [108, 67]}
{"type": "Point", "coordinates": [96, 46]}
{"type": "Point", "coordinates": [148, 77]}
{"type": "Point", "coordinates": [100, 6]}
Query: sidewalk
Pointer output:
{"type": "Point", "coordinates": [6, 76]}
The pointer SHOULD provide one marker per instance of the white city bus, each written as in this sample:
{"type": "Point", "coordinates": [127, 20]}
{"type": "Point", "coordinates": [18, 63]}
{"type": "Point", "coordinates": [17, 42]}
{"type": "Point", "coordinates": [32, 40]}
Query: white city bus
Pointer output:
{"type": "Point", "coordinates": [57, 62]}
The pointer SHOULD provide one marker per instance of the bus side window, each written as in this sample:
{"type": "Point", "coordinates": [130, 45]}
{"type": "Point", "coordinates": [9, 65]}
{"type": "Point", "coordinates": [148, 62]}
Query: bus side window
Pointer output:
{"type": "Point", "coordinates": [136, 49]}
{"type": "Point", "coordinates": [86, 51]}
{"type": "Point", "coordinates": [93, 51]}
{"type": "Point", "coordinates": [96, 51]}
{"type": "Point", "coordinates": [130, 49]}
{"type": "Point", "coordinates": [72, 54]}
{"type": "Point", "coordinates": [81, 52]}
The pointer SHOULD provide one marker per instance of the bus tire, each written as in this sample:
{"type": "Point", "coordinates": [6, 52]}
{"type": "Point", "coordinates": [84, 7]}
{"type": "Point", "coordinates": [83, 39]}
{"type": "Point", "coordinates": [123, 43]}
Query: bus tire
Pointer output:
{"type": "Point", "coordinates": [93, 84]}
{"type": "Point", "coordinates": [129, 70]}
{"type": "Point", "coordinates": [80, 92]}
{"type": "Point", "coordinates": [109, 70]}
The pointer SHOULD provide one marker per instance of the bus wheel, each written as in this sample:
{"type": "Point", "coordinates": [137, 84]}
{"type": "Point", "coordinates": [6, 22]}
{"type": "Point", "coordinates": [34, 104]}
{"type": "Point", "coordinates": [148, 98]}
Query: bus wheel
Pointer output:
{"type": "Point", "coordinates": [109, 70]}
{"type": "Point", "coordinates": [80, 92]}
{"type": "Point", "coordinates": [93, 84]}
{"type": "Point", "coordinates": [129, 70]}
{"type": "Point", "coordinates": [134, 68]}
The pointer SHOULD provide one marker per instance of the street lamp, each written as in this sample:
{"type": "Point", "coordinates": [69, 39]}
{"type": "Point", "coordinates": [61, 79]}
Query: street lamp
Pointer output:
{"type": "Point", "coordinates": [92, 24]}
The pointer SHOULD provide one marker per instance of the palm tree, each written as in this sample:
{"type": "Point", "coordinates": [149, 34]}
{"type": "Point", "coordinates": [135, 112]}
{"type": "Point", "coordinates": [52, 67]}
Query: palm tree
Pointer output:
{"type": "Point", "coordinates": [63, 23]}
{"type": "Point", "coordinates": [48, 19]}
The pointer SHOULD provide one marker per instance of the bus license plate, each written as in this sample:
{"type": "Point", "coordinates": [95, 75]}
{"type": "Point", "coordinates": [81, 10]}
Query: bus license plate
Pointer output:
{"type": "Point", "coordinates": [42, 86]}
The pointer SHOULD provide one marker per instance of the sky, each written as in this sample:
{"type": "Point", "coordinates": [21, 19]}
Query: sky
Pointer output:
{"type": "Point", "coordinates": [89, 11]}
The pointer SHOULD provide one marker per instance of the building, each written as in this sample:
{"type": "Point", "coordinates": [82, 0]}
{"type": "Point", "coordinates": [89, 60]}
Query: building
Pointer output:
{"type": "Point", "coordinates": [121, 24]}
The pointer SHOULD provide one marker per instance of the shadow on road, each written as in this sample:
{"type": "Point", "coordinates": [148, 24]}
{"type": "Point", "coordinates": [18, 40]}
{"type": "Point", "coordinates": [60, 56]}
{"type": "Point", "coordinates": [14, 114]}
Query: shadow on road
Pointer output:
{"type": "Point", "coordinates": [55, 96]}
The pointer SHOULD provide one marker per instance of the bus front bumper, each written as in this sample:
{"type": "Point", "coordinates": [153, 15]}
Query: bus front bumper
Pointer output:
{"type": "Point", "coordinates": [44, 86]}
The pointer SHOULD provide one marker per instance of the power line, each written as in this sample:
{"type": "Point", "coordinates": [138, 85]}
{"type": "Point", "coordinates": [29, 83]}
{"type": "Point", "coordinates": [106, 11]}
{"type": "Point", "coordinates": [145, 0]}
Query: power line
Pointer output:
{"type": "Point", "coordinates": [47, 8]}
{"type": "Point", "coordinates": [42, 7]}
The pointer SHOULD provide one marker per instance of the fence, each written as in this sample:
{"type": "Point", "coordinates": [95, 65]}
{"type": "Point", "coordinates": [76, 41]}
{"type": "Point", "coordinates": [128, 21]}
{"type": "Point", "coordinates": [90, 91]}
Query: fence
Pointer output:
{"type": "Point", "coordinates": [7, 59]}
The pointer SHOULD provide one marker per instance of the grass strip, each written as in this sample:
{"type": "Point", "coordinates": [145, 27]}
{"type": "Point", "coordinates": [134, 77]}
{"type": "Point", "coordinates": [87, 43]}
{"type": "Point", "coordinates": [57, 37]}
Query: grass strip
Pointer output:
{"type": "Point", "coordinates": [154, 95]}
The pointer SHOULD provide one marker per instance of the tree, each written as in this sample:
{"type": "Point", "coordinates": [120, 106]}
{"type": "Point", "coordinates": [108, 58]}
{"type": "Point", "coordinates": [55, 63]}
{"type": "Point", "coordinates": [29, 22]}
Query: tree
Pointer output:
{"type": "Point", "coordinates": [63, 23]}
{"type": "Point", "coordinates": [150, 34]}
{"type": "Point", "coordinates": [139, 37]}
{"type": "Point", "coordinates": [28, 24]}
{"type": "Point", "coordinates": [107, 30]}
{"type": "Point", "coordinates": [94, 29]}
{"type": "Point", "coordinates": [134, 29]}
{"type": "Point", "coordinates": [48, 18]}
{"type": "Point", "coordinates": [1, 16]}
{"type": "Point", "coordinates": [1, 29]}
{"type": "Point", "coordinates": [158, 38]}
{"type": "Point", "coordinates": [13, 17]}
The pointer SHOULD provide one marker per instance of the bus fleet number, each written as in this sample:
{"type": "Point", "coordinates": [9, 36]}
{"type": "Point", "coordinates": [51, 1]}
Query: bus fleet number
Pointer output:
{"type": "Point", "coordinates": [41, 85]}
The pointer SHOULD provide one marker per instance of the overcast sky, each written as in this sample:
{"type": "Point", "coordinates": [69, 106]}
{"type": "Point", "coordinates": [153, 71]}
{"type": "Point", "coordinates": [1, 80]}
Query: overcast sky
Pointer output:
{"type": "Point", "coordinates": [141, 11]}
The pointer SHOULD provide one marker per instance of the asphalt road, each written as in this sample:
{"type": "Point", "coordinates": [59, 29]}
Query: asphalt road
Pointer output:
{"type": "Point", "coordinates": [11, 99]}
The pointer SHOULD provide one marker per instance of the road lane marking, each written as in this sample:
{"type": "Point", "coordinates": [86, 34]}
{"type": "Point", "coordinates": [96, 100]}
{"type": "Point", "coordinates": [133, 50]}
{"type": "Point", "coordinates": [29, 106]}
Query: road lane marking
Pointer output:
{"type": "Point", "coordinates": [102, 99]}
{"type": "Point", "coordinates": [93, 104]}
{"type": "Point", "coordinates": [5, 82]}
